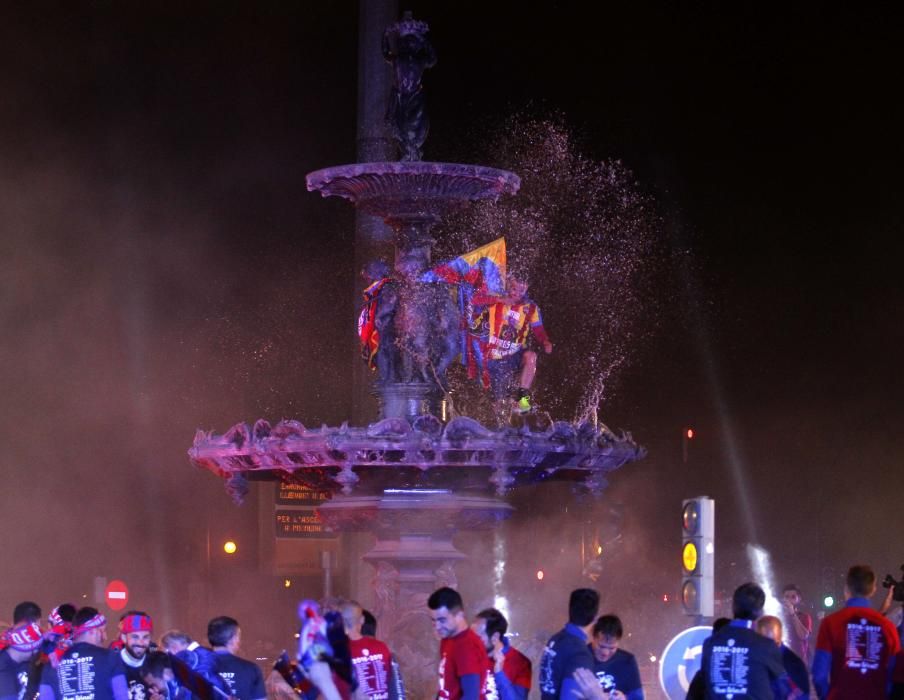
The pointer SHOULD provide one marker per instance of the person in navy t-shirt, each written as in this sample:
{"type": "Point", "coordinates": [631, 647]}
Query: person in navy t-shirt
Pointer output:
{"type": "Point", "coordinates": [616, 669]}
{"type": "Point", "coordinates": [23, 644]}
{"type": "Point", "coordinates": [738, 662]}
{"type": "Point", "coordinates": [135, 629]}
{"type": "Point", "coordinates": [567, 650]}
{"type": "Point", "coordinates": [86, 670]}
{"type": "Point", "coordinates": [243, 679]}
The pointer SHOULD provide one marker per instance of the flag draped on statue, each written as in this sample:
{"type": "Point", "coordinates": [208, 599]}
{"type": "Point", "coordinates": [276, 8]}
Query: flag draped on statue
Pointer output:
{"type": "Point", "coordinates": [367, 327]}
{"type": "Point", "coordinates": [483, 270]}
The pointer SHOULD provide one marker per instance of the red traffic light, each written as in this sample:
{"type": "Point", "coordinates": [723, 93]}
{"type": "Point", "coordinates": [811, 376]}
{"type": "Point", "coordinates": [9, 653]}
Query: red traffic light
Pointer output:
{"type": "Point", "coordinates": [690, 518]}
{"type": "Point", "coordinates": [689, 433]}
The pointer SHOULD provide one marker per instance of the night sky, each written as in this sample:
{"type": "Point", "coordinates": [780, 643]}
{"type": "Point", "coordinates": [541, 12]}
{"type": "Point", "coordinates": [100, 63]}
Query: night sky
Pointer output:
{"type": "Point", "coordinates": [162, 267]}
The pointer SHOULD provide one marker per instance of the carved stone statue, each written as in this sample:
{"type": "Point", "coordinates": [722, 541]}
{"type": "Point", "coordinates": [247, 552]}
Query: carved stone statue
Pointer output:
{"type": "Point", "coordinates": [427, 324]}
{"type": "Point", "coordinates": [386, 590]}
{"type": "Point", "coordinates": [406, 47]}
{"type": "Point", "coordinates": [445, 575]}
{"type": "Point", "coordinates": [409, 329]}
{"type": "Point", "coordinates": [376, 322]}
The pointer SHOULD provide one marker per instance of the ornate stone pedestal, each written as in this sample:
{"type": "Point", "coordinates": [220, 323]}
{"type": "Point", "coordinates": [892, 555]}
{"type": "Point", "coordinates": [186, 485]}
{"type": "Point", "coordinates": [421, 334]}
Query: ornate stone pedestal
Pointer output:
{"type": "Point", "coordinates": [413, 555]}
{"type": "Point", "coordinates": [410, 400]}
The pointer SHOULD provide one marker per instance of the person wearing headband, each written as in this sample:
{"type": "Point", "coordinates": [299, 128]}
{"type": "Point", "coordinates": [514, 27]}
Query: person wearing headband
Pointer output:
{"type": "Point", "coordinates": [59, 637]}
{"type": "Point", "coordinates": [26, 611]}
{"type": "Point", "coordinates": [86, 670]}
{"type": "Point", "coordinates": [135, 629]}
{"type": "Point", "coordinates": [23, 644]}
{"type": "Point", "coordinates": [56, 640]}
{"type": "Point", "coordinates": [60, 620]}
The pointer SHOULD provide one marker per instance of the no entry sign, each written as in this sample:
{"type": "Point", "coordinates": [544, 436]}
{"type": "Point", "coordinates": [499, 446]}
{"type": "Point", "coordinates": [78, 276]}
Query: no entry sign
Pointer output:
{"type": "Point", "coordinates": [116, 595]}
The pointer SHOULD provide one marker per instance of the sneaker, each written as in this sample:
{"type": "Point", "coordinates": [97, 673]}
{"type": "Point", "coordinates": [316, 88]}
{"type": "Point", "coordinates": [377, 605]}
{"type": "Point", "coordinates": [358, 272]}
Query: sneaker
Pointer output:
{"type": "Point", "coordinates": [522, 405]}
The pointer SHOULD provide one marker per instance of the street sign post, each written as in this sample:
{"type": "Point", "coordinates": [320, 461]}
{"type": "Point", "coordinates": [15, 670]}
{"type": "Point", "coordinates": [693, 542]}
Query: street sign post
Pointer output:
{"type": "Point", "coordinates": [681, 660]}
{"type": "Point", "coordinates": [116, 595]}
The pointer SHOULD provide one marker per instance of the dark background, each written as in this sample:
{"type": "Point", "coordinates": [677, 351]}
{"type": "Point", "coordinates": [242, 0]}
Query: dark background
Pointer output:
{"type": "Point", "coordinates": [162, 268]}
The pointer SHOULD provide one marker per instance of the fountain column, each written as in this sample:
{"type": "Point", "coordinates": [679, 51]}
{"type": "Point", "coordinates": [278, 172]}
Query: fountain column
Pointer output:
{"type": "Point", "coordinates": [373, 238]}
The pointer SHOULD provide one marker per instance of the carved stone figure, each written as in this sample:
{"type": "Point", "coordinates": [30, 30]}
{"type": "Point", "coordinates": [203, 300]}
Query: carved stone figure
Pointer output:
{"type": "Point", "coordinates": [376, 322]}
{"type": "Point", "coordinates": [386, 590]}
{"type": "Point", "coordinates": [445, 575]}
{"type": "Point", "coordinates": [427, 324]}
{"type": "Point", "coordinates": [406, 47]}
{"type": "Point", "coordinates": [388, 353]}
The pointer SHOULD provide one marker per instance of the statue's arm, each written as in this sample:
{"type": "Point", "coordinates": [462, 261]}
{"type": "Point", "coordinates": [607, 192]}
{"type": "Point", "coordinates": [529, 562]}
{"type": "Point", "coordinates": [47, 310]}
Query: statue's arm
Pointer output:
{"type": "Point", "coordinates": [388, 53]}
{"type": "Point", "coordinates": [429, 55]}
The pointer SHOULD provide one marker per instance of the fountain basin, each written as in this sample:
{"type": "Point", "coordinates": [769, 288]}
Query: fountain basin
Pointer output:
{"type": "Point", "coordinates": [394, 453]}
{"type": "Point", "coordinates": [405, 191]}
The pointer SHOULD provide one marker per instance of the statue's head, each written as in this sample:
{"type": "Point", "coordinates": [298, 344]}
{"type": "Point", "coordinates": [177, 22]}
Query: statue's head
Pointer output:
{"type": "Point", "coordinates": [375, 270]}
{"type": "Point", "coordinates": [408, 26]}
{"type": "Point", "coordinates": [409, 266]}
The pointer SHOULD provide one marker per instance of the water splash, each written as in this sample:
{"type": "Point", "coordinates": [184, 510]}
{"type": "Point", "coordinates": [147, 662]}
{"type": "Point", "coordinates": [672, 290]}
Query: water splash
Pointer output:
{"type": "Point", "coordinates": [500, 602]}
{"type": "Point", "coordinates": [588, 239]}
{"type": "Point", "coordinates": [763, 574]}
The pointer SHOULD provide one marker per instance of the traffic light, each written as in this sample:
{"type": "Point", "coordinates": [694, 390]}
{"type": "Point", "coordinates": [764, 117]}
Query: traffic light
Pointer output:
{"type": "Point", "coordinates": [687, 434]}
{"type": "Point", "coordinates": [698, 555]}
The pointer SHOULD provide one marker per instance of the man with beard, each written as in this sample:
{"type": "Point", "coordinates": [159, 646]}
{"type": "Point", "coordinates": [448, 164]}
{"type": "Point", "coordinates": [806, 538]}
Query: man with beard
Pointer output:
{"type": "Point", "coordinates": [463, 658]}
{"type": "Point", "coordinates": [135, 629]}
{"type": "Point", "coordinates": [509, 673]}
{"type": "Point", "coordinates": [800, 624]}
{"type": "Point", "coordinates": [86, 670]}
{"type": "Point", "coordinates": [23, 643]}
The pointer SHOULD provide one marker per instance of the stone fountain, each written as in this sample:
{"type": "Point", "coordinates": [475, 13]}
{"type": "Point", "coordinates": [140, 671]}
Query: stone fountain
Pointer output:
{"type": "Point", "coordinates": [416, 476]}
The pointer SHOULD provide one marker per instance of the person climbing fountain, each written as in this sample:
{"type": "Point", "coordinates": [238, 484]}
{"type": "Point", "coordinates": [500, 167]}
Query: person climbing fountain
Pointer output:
{"type": "Point", "coordinates": [502, 324]}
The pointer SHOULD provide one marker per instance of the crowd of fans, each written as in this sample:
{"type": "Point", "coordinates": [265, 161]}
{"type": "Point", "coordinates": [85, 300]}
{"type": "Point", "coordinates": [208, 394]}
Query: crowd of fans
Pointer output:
{"type": "Point", "coordinates": [857, 655]}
